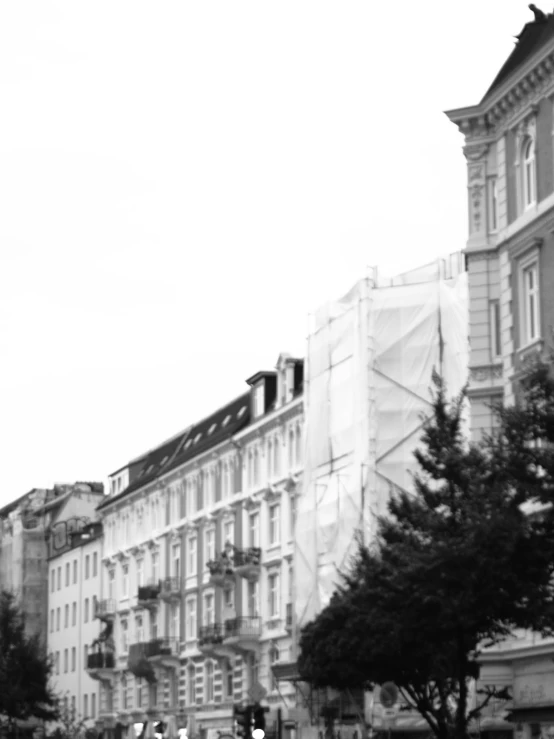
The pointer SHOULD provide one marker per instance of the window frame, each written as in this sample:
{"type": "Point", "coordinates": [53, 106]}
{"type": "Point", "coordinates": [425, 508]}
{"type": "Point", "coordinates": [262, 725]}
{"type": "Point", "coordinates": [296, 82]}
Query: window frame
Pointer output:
{"type": "Point", "coordinates": [530, 262]}
{"type": "Point", "coordinates": [528, 171]}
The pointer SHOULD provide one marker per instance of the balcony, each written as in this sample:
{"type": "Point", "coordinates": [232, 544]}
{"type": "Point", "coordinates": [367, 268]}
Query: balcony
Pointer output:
{"type": "Point", "coordinates": [209, 637]}
{"type": "Point", "coordinates": [138, 662]}
{"type": "Point", "coordinates": [221, 570]}
{"type": "Point", "coordinates": [105, 610]}
{"type": "Point", "coordinates": [164, 651]}
{"type": "Point", "coordinates": [170, 588]}
{"type": "Point", "coordinates": [242, 634]}
{"type": "Point", "coordinates": [100, 666]}
{"type": "Point", "coordinates": [148, 594]}
{"type": "Point", "coordinates": [288, 621]}
{"type": "Point", "coordinates": [247, 562]}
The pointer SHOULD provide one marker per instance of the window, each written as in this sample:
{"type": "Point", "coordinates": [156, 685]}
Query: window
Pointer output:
{"type": "Point", "coordinates": [273, 660]}
{"type": "Point", "coordinates": [51, 620]}
{"type": "Point", "coordinates": [139, 632]}
{"type": "Point", "coordinates": [493, 205]}
{"type": "Point", "coordinates": [155, 567]}
{"type": "Point", "coordinates": [66, 617]}
{"type": "Point", "coordinates": [73, 659]}
{"type": "Point", "coordinates": [124, 635]}
{"type": "Point", "coordinates": [125, 581]}
{"type": "Point", "coordinates": [74, 614]}
{"type": "Point", "coordinates": [229, 687]}
{"type": "Point", "coordinates": [174, 621]}
{"type": "Point", "coordinates": [229, 598]}
{"type": "Point", "coordinates": [291, 448]}
{"type": "Point", "coordinates": [274, 595]}
{"type": "Point", "coordinates": [124, 696]}
{"type": "Point", "coordinates": [87, 567]}
{"type": "Point", "coordinates": [274, 523]}
{"type": "Point", "coordinates": [529, 173]}
{"type": "Point", "coordinates": [253, 599]}
{"type": "Point", "coordinates": [85, 705]}
{"type": "Point", "coordinates": [86, 609]}
{"type": "Point", "coordinates": [530, 306]}
{"type": "Point", "coordinates": [254, 529]}
{"type": "Point", "coordinates": [191, 685]}
{"type": "Point", "coordinates": [95, 564]}
{"type": "Point", "coordinates": [229, 532]}
{"type": "Point", "coordinates": [277, 456]}
{"type": "Point", "coordinates": [496, 349]}
{"type": "Point", "coordinates": [138, 684]}
{"type": "Point", "coordinates": [67, 574]}
{"type": "Point", "coordinates": [58, 619]}
{"type": "Point", "coordinates": [65, 660]}
{"type": "Point", "coordinates": [52, 580]}
{"type": "Point", "coordinates": [153, 625]}
{"type": "Point", "coordinates": [57, 662]}
{"type": "Point", "coordinates": [74, 571]}
{"type": "Point", "coordinates": [59, 578]}
{"type": "Point", "coordinates": [292, 509]}
{"type": "Point", "coordinates": [259, 400]}
{"type": "Point", "coordinates": [111, 583]}
{"type": "Point", "coordinates": [191, 561]}
{"type": "Point", "coordinates": [140, 572]}
{"type": "Point", "coordinates": [209, 546]}
{"type": "Point", "coordinates": [298, 459]}
{"type": "Point", "coordinates": [176, 556]}
{"type": "Point", "coordinates": [73, 706]}
{"type": "Point", "coordinates": [191, 618]}
{"type": "Point", "coordinates": [270, 458]}
{"type": "Point", "coordinates": [93, 705]}
{"type": "Point", "coordinates": [85, 654]}
{"type": "Point", "coordinates": [209, 689]}
{"type": "Point", "coordinates": [208, 609]}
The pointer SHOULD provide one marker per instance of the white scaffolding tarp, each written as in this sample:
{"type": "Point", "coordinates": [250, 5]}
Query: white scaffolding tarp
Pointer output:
{"type": "Point", "coordinates": [368, 380]}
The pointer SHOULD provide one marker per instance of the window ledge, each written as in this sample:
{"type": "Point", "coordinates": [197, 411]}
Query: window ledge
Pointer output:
{"type": "Point", "coordinates": [533, 347]}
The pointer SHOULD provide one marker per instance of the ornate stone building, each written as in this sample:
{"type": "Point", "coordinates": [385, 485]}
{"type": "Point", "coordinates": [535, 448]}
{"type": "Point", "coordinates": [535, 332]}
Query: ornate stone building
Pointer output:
{"type": "Point", "coordinates": [510, 165]}
{"type": "Point", "coordinates": [197, 564]}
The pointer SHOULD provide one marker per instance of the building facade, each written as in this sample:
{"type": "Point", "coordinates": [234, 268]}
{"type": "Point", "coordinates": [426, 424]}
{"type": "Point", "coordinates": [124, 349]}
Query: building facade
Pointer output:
{"type": "Point", "coordinates": [197, 564]}
{"type": "Point", "coordinates": [25, 526]}
{"type": "Point", "coordinates": [510, 257]}
{"type": "Point", "coordinates": [74, 575]}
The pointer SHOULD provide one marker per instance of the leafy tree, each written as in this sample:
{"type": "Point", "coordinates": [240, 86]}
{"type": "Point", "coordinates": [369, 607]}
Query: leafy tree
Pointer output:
{"type": "Point", "coordinates": [456, 567]}
{"type": "Point", "coordinates": [69, 723]}
{"type": "Point", "coordinates": [25, 669]}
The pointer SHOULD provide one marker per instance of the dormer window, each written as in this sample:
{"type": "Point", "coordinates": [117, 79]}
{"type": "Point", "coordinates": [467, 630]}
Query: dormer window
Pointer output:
{"type": "Point", "coordinates": [226, 420]}
{"type": "Point", "coordinates": [529, 172]}
{"type": "Point", "coordinates": [259, 399]}
{"type": "Point", "coordinates": [212, 428]}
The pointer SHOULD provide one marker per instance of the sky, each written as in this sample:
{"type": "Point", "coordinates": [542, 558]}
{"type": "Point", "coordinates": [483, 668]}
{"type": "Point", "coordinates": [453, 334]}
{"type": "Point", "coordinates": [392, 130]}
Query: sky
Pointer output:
{"type": "Point", "coordinates": [182, 183]}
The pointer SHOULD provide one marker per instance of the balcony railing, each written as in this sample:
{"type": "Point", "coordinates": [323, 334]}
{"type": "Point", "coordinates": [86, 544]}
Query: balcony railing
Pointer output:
{"type": "Point", "coordinates": [244, 626]}
{"type": "Point", "coordinates": [100, 661]}
{"type": "Point", "coordinates": [165, 646]}
{"type": "Point", "coordinates": [170, 587]}
{"type": "Point", "coordinates": [105, 609]}
{"type": "Point", "coordinates": [149, 593]}
{"type": "Point", "coordinates": [211, 634]}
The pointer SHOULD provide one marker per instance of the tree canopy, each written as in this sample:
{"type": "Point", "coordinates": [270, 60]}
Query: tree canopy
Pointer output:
{"type": "Point", "coordinates": [458, 565]}
{"type": "Point", "coordinates": [25, 669]}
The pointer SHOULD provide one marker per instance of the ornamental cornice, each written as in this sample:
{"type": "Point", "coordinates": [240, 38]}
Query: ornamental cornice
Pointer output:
{"type": "Point", "coordinates": [251, 503]}
{"type": "Point", "coordinates": [483, 123]}
{"type": "Point", "coordinates": [272, 493]}
{"type": "Point", "coordinates": [121, 555]}
{"type": "Point", "coordinates": [485, 373]}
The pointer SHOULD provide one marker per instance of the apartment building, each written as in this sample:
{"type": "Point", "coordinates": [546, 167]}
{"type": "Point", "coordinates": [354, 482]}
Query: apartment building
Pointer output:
{"type": "Point", "coordinates": [197, 564]}
{"type": "Point", "coordinates": [74, 577]}
{"type": "Point", "coordinates": [25, 525]}
{"type": "Point", "coordinates": [508, 139]}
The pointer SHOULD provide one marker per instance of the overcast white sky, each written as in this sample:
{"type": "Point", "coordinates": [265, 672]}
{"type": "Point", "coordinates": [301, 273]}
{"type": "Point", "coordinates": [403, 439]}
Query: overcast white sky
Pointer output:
{"type": "Point", "coordinates": [181, 183]}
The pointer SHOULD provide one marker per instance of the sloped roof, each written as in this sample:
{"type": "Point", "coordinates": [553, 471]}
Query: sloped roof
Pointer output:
{"type": "Point", "coordinates": [198, 438]}
{"type": "Point", "coordinates": [533, 36]}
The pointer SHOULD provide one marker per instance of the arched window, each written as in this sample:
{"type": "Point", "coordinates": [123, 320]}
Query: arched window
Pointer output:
{"type": "Point", "coordinates": [529, 172]}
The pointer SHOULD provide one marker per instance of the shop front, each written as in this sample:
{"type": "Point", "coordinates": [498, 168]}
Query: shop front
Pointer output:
{"type": "Point", "coordinates": [533, 698]}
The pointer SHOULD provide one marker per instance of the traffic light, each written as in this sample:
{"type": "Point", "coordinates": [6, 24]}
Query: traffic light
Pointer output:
{"type": "Point", "coordinates": [258, 731]}
{"type": "Point", "coordinates": [243, 721]}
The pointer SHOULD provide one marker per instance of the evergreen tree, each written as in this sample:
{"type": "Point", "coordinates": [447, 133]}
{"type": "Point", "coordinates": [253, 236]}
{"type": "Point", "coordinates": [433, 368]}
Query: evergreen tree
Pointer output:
{"type": "Point", "coordinates": [456, 567]}
{"type": "Point", "coordinates": [25, 669]}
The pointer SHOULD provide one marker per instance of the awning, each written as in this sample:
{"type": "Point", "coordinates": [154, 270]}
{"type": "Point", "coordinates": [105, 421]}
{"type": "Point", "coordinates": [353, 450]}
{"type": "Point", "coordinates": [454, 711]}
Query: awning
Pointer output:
{"type": "Point", "coordinates": [538, 715]}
